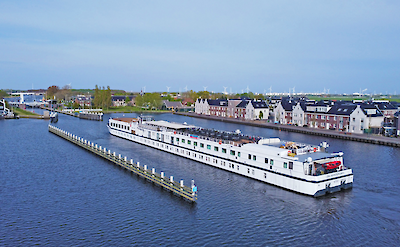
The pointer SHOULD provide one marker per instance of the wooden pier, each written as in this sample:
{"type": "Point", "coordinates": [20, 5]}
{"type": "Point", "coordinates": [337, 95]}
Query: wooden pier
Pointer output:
{"type": "Point", "coordinates": [189, 193]}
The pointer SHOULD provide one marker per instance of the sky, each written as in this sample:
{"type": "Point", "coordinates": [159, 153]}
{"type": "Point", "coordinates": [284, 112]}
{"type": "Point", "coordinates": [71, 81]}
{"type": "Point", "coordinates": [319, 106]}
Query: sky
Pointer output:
{"type": "Point", "coordinates": [311, 46]}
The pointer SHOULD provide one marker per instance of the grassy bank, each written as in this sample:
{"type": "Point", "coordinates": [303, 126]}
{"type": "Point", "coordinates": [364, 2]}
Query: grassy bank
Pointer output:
{"type": "Point", "coordinates": [20, 112]}
{"type": "Point", "coordinates": [129, 109]}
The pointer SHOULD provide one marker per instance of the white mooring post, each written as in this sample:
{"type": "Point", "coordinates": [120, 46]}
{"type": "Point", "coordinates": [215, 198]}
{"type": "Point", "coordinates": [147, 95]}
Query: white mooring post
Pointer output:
{"type": "Point", "coordinates": [119, 156]}
{"type": "Point", "coordinates": [153, 171]}
{"type": "Point", "coordinates": [131, 161]}
{"type": "Point", "coordinates": [162, 175]}
{"type": "Point", "coordinates": [114, 154]}
{"type": "Point", "coordinates": [96, 146]}
{"type": "Point", "coordinates": [138, 165]}
{"type": "Point", "coordinates": [125, 159]}
{"type": "Point", "coordinates": [145, 167]}
{"type": "Point", "coordinates": [109, 152]}
{"type": "Point", "coordinates": [171, 179]}
{"type": "Point", "coordinates": [181, 182]}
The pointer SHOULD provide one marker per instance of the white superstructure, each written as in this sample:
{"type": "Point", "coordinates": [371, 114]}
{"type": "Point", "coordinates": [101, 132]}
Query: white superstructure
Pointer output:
{"type": "Point", "coordinates": [298, 167]}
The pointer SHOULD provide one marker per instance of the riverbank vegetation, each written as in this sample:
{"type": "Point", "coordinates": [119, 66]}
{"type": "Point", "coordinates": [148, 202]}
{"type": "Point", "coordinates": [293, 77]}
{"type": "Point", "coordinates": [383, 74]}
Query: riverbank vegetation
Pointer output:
{"type": "Point", "coordinates": [19, 112]}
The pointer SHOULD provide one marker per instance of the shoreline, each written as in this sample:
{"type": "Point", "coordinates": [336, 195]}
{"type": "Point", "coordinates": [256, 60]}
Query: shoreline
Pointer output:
{"type": "Point", "coordinates": [380, 140]}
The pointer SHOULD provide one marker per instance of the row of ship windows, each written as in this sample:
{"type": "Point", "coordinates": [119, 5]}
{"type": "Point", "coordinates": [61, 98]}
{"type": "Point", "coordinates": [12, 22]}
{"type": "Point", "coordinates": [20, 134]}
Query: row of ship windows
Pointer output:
{"type": "Point", "coordinates": [232, 152]}
{"type": "Point", "coordinates": [271, 161]}
{"type": "Point", "coordinates": [120, 126]}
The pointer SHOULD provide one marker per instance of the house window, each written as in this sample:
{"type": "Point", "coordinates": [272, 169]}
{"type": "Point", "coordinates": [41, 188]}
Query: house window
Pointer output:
{"type": "Point", "coordinates": [209, 147]}
{"type": "Point", "coordinates": [224, 150]}
{"type": "Point", "coordinates": [322, 117]}
{"type": "Point", "coordinates": [216, 149]}
{"type": "Point", "coordinates": [266, 160]}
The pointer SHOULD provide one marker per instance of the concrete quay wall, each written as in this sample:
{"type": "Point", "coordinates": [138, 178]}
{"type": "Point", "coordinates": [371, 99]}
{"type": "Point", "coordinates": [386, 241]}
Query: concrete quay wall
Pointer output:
{"type": "Point", "coordinates": [374, 139]}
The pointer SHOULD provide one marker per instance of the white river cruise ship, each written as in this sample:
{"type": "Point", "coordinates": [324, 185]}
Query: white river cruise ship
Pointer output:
{"type": "Point", "coordinates": [302, 168]}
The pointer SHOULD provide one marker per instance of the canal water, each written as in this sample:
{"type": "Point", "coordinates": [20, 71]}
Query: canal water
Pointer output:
{"type": "Point", "coordinates": [55, 193]}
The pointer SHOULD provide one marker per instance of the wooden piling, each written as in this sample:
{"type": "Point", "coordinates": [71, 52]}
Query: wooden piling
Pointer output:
{"type": "Point", "coordinates": [189, 193]}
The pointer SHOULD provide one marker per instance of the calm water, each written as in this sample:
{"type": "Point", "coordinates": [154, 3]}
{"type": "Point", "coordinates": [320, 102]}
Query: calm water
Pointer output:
{"type": "Point", "coordinates": [54, 193]}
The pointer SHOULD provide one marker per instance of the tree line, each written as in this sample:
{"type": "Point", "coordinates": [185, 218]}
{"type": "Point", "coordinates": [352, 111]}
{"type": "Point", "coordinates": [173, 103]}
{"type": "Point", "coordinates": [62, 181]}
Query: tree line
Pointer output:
{"type": "Point", "coordinates": [102, 97]}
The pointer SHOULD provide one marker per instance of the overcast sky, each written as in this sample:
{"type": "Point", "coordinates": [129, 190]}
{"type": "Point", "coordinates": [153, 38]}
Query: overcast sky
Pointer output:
{"type": "Point", "coordinates": [310, 45]}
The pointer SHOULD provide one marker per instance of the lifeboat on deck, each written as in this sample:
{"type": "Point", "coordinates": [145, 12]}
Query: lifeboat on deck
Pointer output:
{"type": "Point", "coordinates": [332, 165]}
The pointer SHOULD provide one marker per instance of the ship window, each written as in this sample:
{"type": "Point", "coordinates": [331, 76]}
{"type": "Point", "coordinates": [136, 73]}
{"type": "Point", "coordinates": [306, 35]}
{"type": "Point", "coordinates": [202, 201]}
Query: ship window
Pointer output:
{"type": "Point", "coordinates": [183, 140]}
{"type": "Point", "coordinates": [239, 154]}
{"type": "Point", "coordinates": [284, 164]}
{"type": "Point", "coordinates": [224, 150]}
{"type": "Point", "coordinates": [238, 167]}
{"type": "Point", "coordinates": [233, 166]}
{"type": "Point", "coordinates": [208, 146]}
{"type": "Point", "coordinates": [177, 139]}
{"type": "Point", "coordinates": [232, 152]}
{"type": "Point", "coordinates": [291, 165]}
{"type": "Point", "coordinates": [271, 162]}
{"type": "Point", "coordinates": [216, 149]}
{"type": "Point", "coordinates": [254, 157]}
{"type": "Point", "coordinates": [249, 156]}
{"type": "Point", "coordinates": [265, 175]}
{"type": "Point", "coordinates": [189, 142]}
{"type": "Point", "coordinates": [195, 143]}
{"type": "Point", "coordinates": [201, 145]}
{"type": "Point", "coordinates": [266, 160]}
{"type": "Point", "coordinates": [248, 170]}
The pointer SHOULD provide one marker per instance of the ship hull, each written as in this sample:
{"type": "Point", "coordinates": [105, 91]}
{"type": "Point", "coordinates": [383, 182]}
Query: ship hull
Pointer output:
{"type": "Point", "coordinates": [317, 186]}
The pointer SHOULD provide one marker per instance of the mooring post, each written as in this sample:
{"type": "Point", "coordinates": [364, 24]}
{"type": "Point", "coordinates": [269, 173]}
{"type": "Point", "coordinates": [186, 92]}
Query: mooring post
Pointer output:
{"type": "Point", "coordinates": [138, 165]}
{"type": "Point", "coordinates": [171, 179]}
{"type": "Point", "coordinates": [114, 154]}
{"type": "Point", "coordinates": [131, 161]}
{"type": "Point", "coordinates": [145, 168]}
{"type": "Point", "coordinates": [119, 156]}
{"type": "Point", "coordinates": [181, 182]}
{"type": "Point", "coordinates": [125, 159]}
{"type": "Point", "coordinates": [153, 171]}
{"type": "Point", "coordinates": [162, 175]}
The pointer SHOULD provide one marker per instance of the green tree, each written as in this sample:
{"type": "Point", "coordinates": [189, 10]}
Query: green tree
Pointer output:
{"type": "Point", "coordinates": [108, 97]}
{"type": "Point", "coordinates": [127, 100]}
{"type": "Point", "coordinates": [97, 97]}
{"type": "Point", "coordinates": [75, 105]}
{"type": "Point", "coordinates": [139, 101]}
{"type": "Point", "coordinates": [52, 91]}
{"type": "Point", "coordinates": [3, 94]}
